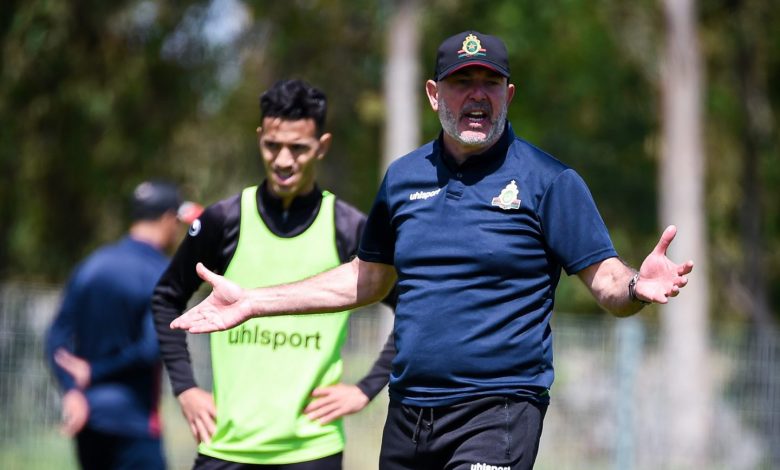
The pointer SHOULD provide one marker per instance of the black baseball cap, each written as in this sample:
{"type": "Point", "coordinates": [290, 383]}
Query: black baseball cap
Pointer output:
{"type": "Point", "coordinates": [471, 48]}
{"type": "Point", "coordinates": [152, 199]}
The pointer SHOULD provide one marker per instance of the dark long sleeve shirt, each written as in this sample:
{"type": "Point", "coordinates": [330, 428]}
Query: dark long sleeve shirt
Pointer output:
{"type": "Point", "coordinates": [213, 239]}
{"type": "Point", "coordinates": [105, 319]}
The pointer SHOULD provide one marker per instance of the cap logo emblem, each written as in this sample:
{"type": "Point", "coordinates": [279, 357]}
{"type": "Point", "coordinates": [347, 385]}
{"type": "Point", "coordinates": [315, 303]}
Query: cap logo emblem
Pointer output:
{"type": "Point", "coordinates": [471, 47]}
{"type": "Point", "coordinates": [508, 197]}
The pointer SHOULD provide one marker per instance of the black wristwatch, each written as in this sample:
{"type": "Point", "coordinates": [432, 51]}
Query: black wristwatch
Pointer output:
{"type": "Point", "coordinates": [632, 290]}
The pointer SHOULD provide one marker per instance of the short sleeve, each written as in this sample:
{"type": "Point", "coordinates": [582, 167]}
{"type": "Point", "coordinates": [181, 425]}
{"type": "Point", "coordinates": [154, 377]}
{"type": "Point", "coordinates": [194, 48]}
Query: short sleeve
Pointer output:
{"type": "Point", "coordinates": [572, 226]}
{"type": "Point", "coordinates": [377, 244]}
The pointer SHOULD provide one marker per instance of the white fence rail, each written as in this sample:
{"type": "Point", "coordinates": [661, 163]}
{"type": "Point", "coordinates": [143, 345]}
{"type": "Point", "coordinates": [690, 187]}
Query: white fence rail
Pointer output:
{"type": "Point", "coordinates": [607, 407]}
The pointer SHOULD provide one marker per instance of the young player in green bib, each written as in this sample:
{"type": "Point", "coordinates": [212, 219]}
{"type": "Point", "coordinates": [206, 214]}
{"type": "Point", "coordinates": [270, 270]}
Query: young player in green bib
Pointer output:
{"type": "Point", "coordinates": [276, 396]}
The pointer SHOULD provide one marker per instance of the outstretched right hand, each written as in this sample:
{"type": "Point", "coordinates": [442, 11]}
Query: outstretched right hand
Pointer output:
{"type": "Point", "coordinates": [224, 308]}
{"type": "Point", "coordinates": [197, 406]}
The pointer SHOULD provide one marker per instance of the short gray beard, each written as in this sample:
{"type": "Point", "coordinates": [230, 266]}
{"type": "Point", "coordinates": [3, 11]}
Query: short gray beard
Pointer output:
{"type": "Point", "coordinates": [449, 123]}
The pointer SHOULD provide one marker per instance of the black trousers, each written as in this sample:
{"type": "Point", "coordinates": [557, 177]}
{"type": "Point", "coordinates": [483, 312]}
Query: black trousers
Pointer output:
{"type": "Point", "coordinates": [100, 451]}
{"type": "Point", "coordinates": [499, 433]}
{"type": "Point", "coordinates": [332, 462]}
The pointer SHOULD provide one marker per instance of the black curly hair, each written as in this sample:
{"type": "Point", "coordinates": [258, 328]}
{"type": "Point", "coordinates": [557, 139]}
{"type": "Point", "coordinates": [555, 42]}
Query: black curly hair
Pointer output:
{"type": "Point", "coordinates": [294, 100]}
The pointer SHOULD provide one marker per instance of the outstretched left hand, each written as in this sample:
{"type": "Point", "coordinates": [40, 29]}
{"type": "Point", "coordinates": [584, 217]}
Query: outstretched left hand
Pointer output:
{"type": "Point", "coordinates": [659, 277]}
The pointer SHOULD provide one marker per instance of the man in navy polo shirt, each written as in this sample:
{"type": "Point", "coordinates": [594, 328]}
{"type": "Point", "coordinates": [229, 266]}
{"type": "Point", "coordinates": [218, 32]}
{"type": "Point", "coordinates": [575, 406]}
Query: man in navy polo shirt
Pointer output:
{"type": "Point", "coordinates": [476, 227]}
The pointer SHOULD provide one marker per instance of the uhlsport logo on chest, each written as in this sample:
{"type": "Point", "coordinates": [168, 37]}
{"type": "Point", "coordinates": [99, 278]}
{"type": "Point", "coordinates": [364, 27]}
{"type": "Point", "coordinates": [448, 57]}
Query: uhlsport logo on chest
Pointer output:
{"type": "Point", "coordinates": [507, 199]}
{"type": "Point", "coordinates": [485, 466]}
{"type": "Point", "coordinates": [424, 194]}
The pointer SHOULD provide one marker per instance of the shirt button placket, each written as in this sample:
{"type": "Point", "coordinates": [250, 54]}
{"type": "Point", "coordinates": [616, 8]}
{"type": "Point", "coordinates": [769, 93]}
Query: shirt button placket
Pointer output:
{"type": "Point", "coordinates": [455, 187]}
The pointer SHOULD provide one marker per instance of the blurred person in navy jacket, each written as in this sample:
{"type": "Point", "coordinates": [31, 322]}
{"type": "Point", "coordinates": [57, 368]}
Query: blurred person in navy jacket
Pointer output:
{"type": "Point", "coordinates": [102, 346]}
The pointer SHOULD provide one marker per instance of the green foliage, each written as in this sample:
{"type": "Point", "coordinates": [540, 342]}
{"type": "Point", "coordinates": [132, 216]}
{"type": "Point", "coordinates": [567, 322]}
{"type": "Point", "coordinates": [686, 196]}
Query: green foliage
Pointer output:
{"type": "Point", "coordinates": [87, 105]}
{"type": "Point", "coordinates": [96, 95]}
{"type": "Point", "coordinates": [741, 44]}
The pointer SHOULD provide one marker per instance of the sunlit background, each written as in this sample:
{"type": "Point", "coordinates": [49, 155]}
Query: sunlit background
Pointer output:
{"type": "Point", "coordinates": [666, 108]}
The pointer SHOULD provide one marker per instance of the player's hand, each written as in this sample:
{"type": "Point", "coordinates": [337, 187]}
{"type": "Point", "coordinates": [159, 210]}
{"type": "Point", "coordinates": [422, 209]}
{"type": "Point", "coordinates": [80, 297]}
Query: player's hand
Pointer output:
{"type": "Point", "coordinates": [333, 402]}
{"type": "Point", "coordinates": [75, 412]}
{"type": "Point", "coordinates": [77, 367]}
{"type": "Point", "coordinates": [659, 277]}
{"type": "Point", "coordinates": [224, 308]}
{"type": "Point", "coordinates": [197, 406]}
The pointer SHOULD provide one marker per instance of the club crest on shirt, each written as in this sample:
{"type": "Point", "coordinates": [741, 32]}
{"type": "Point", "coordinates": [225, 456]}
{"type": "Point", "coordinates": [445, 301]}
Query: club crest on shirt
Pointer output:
{"type": "Point", "coordinates": [508, 197]}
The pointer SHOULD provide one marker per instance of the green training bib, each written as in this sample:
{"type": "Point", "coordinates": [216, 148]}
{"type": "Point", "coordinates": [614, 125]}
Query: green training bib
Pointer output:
{"type": "Point", "coordinates": [265, 369]}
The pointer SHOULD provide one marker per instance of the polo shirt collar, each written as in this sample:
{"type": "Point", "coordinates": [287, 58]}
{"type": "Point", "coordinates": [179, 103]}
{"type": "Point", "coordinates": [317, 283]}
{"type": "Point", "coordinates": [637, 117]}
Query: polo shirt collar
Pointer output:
{"type": "Point", "coordinates": [495, 152]}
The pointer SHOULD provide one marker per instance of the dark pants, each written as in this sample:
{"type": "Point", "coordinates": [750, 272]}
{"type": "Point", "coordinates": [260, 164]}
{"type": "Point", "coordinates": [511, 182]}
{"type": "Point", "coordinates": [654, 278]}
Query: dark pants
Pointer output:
{"type": "Point", "coordinates": [204, 462]}
{"type": "Point", "coordinates": [491, 432]}
{"type": "Point", "coordinates": [101, 451]}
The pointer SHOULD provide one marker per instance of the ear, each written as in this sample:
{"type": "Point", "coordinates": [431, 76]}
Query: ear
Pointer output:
{"type": "Point", "coordinates": [432, 90]}
{"type": "Point", "coordinates": [510, 93]}
{"type": "Point", "coordinates": [171, 220]}
{"type": "Point", "coordinates": [325, 140]}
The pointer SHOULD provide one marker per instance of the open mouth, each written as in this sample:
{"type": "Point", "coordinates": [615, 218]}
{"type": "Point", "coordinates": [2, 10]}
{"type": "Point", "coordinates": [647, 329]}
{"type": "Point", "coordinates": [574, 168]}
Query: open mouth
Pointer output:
{"type": "Point", "coordinates": [476, 117]}
{"type": "Point", "coordinates": [283, 176]}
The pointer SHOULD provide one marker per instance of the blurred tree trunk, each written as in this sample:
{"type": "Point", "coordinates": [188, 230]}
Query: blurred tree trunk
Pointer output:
{"type": "Point", "coordinates": [402, 86]}
{"type": "Point", "coordinates": [685, 320]}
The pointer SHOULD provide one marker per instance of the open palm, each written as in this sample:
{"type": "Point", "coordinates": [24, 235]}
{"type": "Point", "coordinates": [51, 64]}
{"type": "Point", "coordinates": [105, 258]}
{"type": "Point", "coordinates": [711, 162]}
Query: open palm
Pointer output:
{"type": "Point", "coordinates": [659, 277]}
{"type": "Point", "coordinates": [223, 309]}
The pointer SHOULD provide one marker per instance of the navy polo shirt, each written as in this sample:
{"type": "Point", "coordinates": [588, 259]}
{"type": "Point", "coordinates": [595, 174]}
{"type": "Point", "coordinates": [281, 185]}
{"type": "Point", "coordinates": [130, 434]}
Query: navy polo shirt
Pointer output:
{"type": "Point", "coordinates": [479, 249]}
